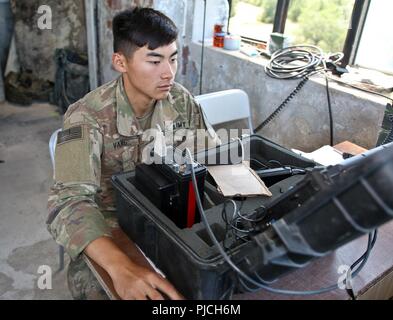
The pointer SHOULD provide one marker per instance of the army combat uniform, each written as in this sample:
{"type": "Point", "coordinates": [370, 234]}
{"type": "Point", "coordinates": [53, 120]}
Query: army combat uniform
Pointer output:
{"type": "Point", "coordinates": [101, 136]}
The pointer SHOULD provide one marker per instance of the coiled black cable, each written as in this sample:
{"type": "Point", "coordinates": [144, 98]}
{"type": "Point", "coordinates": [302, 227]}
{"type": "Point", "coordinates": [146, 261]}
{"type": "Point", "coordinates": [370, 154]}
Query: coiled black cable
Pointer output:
{"type": "Point", "coordinates": [299, 62]}
{"type": "Point", "coordinates": [295, 62]}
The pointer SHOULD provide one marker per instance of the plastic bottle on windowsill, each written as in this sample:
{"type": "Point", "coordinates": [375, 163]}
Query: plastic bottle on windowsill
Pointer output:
{"type": "Point", "coordinates": [232, 42]}
{"type": "Point", "coordinates": [218, 40]}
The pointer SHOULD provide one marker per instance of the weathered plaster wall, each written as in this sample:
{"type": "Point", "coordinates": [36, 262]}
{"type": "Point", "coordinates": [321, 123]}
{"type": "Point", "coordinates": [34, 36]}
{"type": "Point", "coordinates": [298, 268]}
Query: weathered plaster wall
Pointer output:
{"type": "Point", "coordinates": [181, 12]}
{"type": "Point", "coordinates": [106, 10]}
{"type": "Point", "coordinates": [36, 47]}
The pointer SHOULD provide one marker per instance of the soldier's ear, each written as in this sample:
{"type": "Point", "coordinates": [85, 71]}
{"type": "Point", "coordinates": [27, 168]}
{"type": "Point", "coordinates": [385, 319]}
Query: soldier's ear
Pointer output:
{"type": "Point", "coordinates": [118, 62]}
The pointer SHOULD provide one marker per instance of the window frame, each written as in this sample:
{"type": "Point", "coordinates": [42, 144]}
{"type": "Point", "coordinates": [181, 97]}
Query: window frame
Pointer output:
{"type": "Point", "coordinates": [354, 33]}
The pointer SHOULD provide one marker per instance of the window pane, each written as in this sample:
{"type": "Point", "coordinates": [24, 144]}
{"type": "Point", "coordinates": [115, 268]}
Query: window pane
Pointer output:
{"type": "Point", "coordinates": [376, 45]}
{"type": "Point", "coordinates": [323, 23]}
{"type": "Point", "coordinates": [253, 18]}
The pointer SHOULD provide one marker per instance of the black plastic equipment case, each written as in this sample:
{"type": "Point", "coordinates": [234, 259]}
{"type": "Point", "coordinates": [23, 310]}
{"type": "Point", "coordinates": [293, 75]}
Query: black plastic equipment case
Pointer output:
{"type": "Point", "coordinates": [171, 191]}
{"type": "Point", "coordinates": [307, 217]}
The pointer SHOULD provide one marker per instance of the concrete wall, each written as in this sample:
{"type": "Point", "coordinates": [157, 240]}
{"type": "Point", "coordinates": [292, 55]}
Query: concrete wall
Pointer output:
{"type": "Point", "coordinates": [181, 12]}
{"type": "Point", "coordinates": [35, 47]}
{"type": "Point", "coordinates": [106, 10]}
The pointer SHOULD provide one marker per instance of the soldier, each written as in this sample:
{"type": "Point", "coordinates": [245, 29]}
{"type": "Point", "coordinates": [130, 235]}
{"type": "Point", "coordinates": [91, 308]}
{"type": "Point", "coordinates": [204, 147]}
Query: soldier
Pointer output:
{"type": "Point", "coordinates": [102, 135]}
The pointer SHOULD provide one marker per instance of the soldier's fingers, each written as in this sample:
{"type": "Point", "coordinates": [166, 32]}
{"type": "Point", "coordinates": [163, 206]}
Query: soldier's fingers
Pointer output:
{"type": "Point", "coordinates": [165, 287]}
{"type": "Point", "coordinates": [153, 294]}
{"type": "Point", "coordinates": [145, 291]}
{"type": "Point", "coordinates": [135, 295]}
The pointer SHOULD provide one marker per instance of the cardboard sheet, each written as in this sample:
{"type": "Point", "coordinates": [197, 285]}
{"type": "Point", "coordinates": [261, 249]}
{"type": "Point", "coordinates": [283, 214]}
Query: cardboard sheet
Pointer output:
{"type": "Point", "coordinates": [238, 179]}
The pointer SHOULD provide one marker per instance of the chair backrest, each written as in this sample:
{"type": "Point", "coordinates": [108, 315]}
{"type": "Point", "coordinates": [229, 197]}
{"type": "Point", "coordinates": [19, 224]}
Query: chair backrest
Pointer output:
{"type": "Point", "coordinates": [225, 106]}
{"type": "Point", "coordinates": [52, 146]}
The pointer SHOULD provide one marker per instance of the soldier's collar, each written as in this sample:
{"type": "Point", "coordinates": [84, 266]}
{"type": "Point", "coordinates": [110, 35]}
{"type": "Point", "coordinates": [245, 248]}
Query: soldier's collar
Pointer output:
{"type": "Point", "coordinates": [170, 99]}
{"type": "Point", "coordinates": [125, 114]}
{"type": "Point", "coordinates": [127, 124]}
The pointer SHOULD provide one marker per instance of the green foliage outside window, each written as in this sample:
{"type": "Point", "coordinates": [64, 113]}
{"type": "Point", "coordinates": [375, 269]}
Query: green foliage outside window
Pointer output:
{"type": "Point", "coordinates": [323, 23]}
{"type": "Point", "coordinates": [319, 22]}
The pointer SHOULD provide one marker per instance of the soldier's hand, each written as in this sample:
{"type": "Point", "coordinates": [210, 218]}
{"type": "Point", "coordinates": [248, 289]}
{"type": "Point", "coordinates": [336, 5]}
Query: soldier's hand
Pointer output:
{"type": "Point", "coordinates": [133, 282]}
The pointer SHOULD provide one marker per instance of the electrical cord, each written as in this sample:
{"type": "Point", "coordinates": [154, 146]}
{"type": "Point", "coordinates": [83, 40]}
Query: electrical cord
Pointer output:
{"type": "Point", "coordinates": [238, 218]}
{"type": "Point", "coordinates": [300, 62]}
{"type": "Point", "coordinates": [389, 138]}
{"type": "Point", "coordinates": [278, 163]}
{"type": "Point", "coordinates": [241, 146]}
{"type": "Point", "coordinates": [208, 228]}
{"type": "Point", "coordinates": [295, 62]}
{"type": "Point", "coordinates": [330, 110]}
{"type": "Point", "coordinates": [233, 224]}
{"type": "Point", "coordinates": [259, 163]}
{"type": "Point", "coordinates": [203, 46]}
{"type": "Point", "coordinates": [285, 103]}
{"type": "Point", "coordinates": [363, 259]}
{"type": "Point", "coordinates": [258, 284]}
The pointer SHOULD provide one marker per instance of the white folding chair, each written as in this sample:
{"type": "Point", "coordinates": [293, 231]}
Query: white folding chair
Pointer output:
{"type": "Point", "coordinates": [52, 149]}
{"type": "Point", "coordinates": [52, 146]}
{"type": "Point", "coordinates": [226, 106]}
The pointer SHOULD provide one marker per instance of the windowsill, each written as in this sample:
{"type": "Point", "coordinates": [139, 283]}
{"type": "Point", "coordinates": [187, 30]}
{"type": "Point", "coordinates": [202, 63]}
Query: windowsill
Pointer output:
{"type": "Point", "coordinates": [261, 61]}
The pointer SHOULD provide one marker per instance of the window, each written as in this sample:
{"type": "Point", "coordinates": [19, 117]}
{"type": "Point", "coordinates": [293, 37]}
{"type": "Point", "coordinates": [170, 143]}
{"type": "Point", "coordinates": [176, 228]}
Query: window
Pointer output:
{"type": "Point", "coordinates": [252, 18]}
{"type": "Point", "coordinates": [216, 12]}
{"type": "Point", "coordinates": [323, 23]}
{"type": "Point", "coordinates": [359, 28]}
{"type": "Point", "coordinates": [376, 44]}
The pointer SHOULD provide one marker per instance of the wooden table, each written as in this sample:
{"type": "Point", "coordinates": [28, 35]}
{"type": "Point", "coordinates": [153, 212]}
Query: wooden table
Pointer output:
{"type": "Point", "coordinates": [375, 281]}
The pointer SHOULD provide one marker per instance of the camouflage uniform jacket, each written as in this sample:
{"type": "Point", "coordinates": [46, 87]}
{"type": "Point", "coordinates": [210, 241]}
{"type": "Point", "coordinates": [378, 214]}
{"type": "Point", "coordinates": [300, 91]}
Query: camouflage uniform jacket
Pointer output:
{"type": "Point", "coordinates": [101, 137]}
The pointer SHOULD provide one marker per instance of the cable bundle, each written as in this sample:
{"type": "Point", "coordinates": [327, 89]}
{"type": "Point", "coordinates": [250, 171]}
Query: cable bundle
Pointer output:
{"type": "Point", "coordinates": [299, 61]}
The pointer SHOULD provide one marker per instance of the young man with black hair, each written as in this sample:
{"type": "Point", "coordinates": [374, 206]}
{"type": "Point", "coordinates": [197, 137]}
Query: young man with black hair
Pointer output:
{"type": "Point", "coordinates": [102, 135]}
